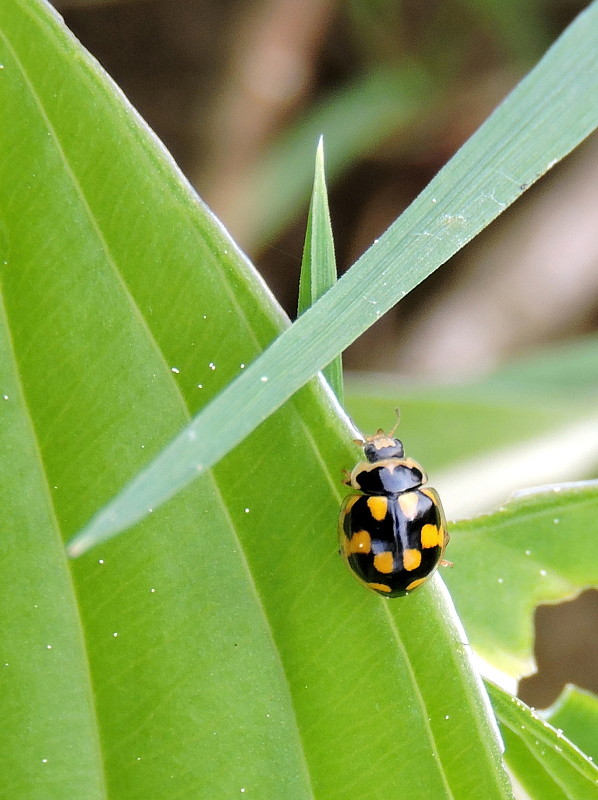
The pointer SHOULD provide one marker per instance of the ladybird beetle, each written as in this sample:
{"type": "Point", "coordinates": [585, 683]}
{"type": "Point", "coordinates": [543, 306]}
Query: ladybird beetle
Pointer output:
{"type": "Point", "coordinates": [393, 534]}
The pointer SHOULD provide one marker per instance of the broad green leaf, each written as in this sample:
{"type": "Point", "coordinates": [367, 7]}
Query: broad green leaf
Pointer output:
{"type": "Point", "coordinates": [575, 713]}
{"type": "Point", "coordinates": [50, 739]}
{"type": "Point", "coordinates": [545, 763]}
{"type": "Point", "coordinates": [221, 649]}
{"type": "Point", "coordinates": [539, 548]}
{"type": "Point", "coordinates": [522, 139]}
{"type": "Point", "coordinates": [318, 266]}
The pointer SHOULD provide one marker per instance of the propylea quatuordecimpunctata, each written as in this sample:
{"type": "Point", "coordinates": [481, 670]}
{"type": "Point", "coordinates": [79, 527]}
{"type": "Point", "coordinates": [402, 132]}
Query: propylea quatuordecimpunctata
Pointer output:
{"type": "Point", "coordinates": [393, 534]}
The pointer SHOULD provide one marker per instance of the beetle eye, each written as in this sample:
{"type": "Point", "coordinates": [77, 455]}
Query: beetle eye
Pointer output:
{"type": "Point", "coordinates": [371, 452]}
{"type": "Point", "coordinates": [400, 450]}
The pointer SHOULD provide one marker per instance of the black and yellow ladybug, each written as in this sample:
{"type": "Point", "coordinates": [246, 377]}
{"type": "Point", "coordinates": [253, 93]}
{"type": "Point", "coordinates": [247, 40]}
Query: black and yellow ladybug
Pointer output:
{"type": "Point", "coordinates": [393, 535]}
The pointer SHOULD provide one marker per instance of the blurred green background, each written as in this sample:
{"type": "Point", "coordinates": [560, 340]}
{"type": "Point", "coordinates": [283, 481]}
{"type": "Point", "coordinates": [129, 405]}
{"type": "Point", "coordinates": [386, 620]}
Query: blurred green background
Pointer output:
{"type": "Point", "coordinates": [239, 91]}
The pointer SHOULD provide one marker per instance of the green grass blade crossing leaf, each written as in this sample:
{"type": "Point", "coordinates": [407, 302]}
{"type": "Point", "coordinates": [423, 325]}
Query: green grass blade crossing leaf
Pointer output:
{"type": "Point", "coordinates": [521, 140]}
{"type": "Point", "coordinates": [318, 266]}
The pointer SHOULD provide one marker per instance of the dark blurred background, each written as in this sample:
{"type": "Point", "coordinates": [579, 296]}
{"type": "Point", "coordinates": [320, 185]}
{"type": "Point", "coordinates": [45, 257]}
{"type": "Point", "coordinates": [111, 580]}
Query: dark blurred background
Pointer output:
{"type": "Point", "coordinates": [238, 91]}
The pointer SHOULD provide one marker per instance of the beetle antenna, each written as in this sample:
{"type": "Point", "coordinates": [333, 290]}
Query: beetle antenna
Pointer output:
{"type": "Point", "coordinates": [396, 425]}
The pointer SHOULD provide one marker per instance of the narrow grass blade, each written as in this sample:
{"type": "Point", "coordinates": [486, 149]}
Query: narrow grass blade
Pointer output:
{"type": "Point", "coordinates": [318, 267]}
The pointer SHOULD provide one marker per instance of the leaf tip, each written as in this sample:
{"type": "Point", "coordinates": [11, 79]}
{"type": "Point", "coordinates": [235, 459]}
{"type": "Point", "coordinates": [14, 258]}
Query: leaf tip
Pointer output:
{"type": "Point", "coordinates": [320, 150]}
{"type": "Point", "coordinates": [77, 546]}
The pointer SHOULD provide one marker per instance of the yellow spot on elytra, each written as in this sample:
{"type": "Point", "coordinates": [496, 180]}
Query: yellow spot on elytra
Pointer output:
{"type": "Point", "coordinates": [360, 542]}
{"type": "Point", "coordinates": [411, 559]}
{"type": "Point", "coordinates": [379, 587]}
{"type": "Point", "coordinates": [415, 584]}
{"type": "Point", "coordinates": [431, 536]}
{"type": "Point", "coordinates": [408, 504]}
{"type": "Point", "coordinates": [384, 562]}
{"type": "Point", "coordinates": [378, 506]}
